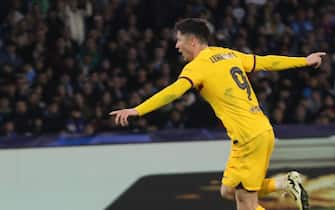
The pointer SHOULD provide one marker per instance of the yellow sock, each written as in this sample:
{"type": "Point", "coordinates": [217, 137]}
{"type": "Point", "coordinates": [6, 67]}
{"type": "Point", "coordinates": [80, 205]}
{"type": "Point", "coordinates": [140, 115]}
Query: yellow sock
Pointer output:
{"type": "Point", "coordinates": [259, 207]}
{"type": "Point", "coordinates": [268, 186]}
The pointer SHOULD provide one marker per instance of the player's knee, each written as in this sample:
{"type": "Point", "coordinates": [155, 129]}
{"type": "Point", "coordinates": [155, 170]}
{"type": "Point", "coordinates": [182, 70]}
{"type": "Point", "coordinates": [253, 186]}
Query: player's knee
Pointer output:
{"type": "Point", "coordinates": [227, 192]}
{"type": "Point", "coordinates": [246, 200]}
{"type": "Point", "coordinates": [246, 204]}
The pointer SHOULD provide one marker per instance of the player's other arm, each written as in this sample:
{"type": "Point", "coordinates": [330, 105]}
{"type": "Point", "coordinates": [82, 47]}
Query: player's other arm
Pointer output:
{"type": "Point", "coordinates": [277, 63]}
{"type": "Point", "coordinates": [165, 96]}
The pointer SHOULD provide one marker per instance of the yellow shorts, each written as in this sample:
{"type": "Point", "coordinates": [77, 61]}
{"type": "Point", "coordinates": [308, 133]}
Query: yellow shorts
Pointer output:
{"type": "Point", "coordinates": [248, 162]}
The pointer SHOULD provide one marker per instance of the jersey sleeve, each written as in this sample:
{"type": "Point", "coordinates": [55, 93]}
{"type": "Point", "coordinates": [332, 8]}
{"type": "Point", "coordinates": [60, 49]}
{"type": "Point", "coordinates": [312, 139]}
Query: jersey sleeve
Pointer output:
{"type": "Point", "coordinates": [278, 63]}
{"type": "Point", "coordinates": [163, 97]}
{"type": "Point", "coordinates": [252, 62]}
{"type": "Point", "coordinates": [248, 60]}
{"type": "Point", "coordinates": [191, 75]}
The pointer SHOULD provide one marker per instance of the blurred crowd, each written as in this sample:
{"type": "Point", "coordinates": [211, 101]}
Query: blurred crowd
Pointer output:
{"type": "Point", "coordinates": [65, 64]}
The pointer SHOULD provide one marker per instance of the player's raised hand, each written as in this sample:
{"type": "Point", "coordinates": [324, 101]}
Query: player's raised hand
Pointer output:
{"type": "Point", "coordinates": [121, 116]}
{"type": "Point", "coordinates": [315, 59]}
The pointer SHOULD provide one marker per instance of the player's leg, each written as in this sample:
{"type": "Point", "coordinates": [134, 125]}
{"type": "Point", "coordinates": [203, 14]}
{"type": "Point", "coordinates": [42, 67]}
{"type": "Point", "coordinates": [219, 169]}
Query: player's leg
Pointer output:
{"type": "Point", "coordinates": [246, 200]}
{"type": "Point", "coordinates": [260, 157]}
{"type": "Point", "coordinates": [292, 183]}
{"type": "Point", "coordinates": [247, 167]}
{"type": "Point", "coordinates": [227, 192]}
{"type": "Point", "coordinates": [256, 160]}
{"type": "Point", "coordinates": [269, 185]}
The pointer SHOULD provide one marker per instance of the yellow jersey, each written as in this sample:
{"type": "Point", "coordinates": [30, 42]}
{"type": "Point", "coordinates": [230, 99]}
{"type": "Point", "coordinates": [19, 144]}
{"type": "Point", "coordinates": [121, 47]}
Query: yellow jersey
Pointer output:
{"type": "Point", "coordinates": [220, 76]}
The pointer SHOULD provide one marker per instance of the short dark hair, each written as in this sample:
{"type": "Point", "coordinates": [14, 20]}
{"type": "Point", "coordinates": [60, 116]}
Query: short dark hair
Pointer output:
{"type": "Point", "coordinates": [195, 26]}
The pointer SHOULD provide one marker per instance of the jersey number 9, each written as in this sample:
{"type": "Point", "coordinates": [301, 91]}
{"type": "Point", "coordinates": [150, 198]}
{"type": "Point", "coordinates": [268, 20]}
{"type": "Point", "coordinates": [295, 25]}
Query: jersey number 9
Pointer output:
{"type": "Point", "coordinates": [237, 73]}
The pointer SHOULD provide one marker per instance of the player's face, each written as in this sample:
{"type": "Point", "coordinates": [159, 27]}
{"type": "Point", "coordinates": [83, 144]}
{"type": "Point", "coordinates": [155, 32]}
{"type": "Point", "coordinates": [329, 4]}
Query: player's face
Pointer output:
{"type": "Point", "coordinates": [184, 45]}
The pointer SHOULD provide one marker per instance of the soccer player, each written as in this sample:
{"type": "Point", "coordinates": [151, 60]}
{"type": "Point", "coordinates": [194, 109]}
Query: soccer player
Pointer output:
{"type": "Point", "coordinates": [219, 74]}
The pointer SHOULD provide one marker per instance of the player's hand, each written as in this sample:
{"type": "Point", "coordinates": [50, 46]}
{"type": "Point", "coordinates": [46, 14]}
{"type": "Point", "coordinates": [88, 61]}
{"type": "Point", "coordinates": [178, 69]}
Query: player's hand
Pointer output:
{"type": "Point", "coordinates": [121, 116]}
{"type": "Point", "coordinates": [315, 59]}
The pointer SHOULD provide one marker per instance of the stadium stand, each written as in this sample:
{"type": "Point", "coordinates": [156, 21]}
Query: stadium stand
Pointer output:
{"type": "Point", "coordinates": [65, 64]}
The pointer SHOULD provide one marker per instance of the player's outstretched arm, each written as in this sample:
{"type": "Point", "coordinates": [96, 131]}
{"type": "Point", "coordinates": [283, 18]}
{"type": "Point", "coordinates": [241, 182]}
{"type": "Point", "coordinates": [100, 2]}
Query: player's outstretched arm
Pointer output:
{"type": "Point", "coordinates": [165, 96]}
{"type": "Point", "coordinates": [277, 63]}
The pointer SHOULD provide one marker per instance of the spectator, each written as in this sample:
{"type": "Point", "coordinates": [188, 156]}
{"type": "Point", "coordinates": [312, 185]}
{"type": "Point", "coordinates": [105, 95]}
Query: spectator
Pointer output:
{"type": "Point", "coordinates": [5, 110]}
{"type": "Point", "coordinates": [301, 25]}
{"type": "Point", "coordinates": [75, 15]}
{"type": "Point", "coordinates": [76, 123]}
{"type": "Point", "coordinates": [53, 120]}
{"type": "Point", "coordinates": [175, 120]}
{"type": "Point", "coordinates": [8, 129]}
{"type": "Point", "coordinates": [10, 56]}
{"type": "Point", "coordinates": [22, 119]}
